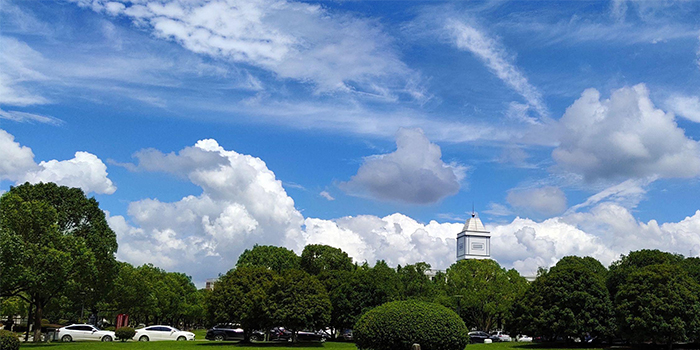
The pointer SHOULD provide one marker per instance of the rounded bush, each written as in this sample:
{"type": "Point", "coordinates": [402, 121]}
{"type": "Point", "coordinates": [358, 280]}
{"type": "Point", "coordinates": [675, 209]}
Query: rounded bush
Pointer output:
{"type": "Point", "coordinates": [400, 324]}
{"type": "Point", "coordinates": [125, 333]}
{"type": "Point", "coordinates": [8, 341]}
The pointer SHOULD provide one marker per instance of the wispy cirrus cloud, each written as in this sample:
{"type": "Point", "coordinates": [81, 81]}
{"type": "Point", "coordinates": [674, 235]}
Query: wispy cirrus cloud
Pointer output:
{"type": "Point", "coordinates": [294, 40]}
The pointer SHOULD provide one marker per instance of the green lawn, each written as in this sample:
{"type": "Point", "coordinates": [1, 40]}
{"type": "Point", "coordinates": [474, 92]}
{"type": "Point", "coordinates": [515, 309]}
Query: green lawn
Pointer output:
{"type": "Point", "coordinates": [208, 345]}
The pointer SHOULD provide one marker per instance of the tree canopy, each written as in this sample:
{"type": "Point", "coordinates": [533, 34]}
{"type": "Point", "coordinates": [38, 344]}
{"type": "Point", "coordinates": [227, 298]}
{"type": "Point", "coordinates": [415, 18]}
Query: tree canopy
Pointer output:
{"type": "Point", "coordinates": [55, 241]}
{"type": "Point", "coordinates": [274, 258]}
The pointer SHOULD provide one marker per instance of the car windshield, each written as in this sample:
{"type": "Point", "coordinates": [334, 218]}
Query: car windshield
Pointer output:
{"type": "Point", "coordinates": [97, 327]}
{"type": "Point", "coordinates": [175, 329]}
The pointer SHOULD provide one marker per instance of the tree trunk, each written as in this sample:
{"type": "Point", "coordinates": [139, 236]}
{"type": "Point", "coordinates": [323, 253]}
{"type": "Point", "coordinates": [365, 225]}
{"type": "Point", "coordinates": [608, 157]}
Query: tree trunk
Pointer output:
{"type": "Point", "coordinates": [29, 320]}
{"type": "Point", "coordinates": [246, 336]}
{"type": "Point", "coordinates": [37, 322]}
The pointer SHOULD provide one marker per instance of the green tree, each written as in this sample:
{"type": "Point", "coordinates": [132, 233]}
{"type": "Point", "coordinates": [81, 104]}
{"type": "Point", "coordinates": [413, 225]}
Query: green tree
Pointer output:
{"type": "Point", "coordinates": [483, 292]}
{"type": "Point", "coordinates": [415, 283]}
{"type": "Point", "coordinates": [570, 300]}
{"type": "Point", "coordinates": [243, 295]}
{"type": "Point", "coordinates": [340, 288]}
{"type": "Point", "coordinates": [317, 258]}
{"type": "Point", "coordinates": [55, 240]}
{"type": "Point", "coordinates": [658, 303]}
{"type": "Point", "coordinates": [300, 302]}
{"type": "Point", "coordinates": [274, 258]}
{"type": "Point", "coordinates": [620, 269]}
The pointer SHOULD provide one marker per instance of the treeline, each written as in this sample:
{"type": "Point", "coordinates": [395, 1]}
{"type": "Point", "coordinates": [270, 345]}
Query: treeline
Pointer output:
{"type": "Point", "coordinates": [272, 286]}
{"type": "Point", "coordinates": [646, 296]}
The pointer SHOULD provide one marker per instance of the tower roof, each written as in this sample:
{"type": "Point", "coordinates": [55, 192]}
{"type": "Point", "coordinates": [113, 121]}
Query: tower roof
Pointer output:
{"type": "Point", "coordinates": [474, 224]}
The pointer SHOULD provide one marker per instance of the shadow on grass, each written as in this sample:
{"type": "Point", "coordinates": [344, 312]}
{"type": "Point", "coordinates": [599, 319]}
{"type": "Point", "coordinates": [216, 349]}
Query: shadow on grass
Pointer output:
{"type": "Point", "coordinates": [266, 344]}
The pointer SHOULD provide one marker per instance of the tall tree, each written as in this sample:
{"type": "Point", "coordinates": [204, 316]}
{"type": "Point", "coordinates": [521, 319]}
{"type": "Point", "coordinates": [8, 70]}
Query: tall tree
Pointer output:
{"type": "Point", "coordinates": [570, 300]}
{"type": "Point", "coordinates": [243, 295]}
{"type": "Point", "coordinates": [317, 258]}
{"type": "Point", "coordinates": [483, 292]}
{"type": "Point", "coordinates": [274, 258]}
{"type": "Point", "coordinates": [54, 240]}
{"type": "Point", "coordinates": [658, 303]}
{"type": "Point", "coordinates": [300, 302]}
{"type": "Point", "coordinates": [620, 269]}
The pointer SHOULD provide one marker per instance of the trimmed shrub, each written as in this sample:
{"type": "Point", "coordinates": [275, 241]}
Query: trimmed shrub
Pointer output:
{"type": "Point", "coordinates": [400, 324]}
{"type": "Point", "coordinates": [125, 333]}
{"type": "Point", "coordinates": [8, 341]}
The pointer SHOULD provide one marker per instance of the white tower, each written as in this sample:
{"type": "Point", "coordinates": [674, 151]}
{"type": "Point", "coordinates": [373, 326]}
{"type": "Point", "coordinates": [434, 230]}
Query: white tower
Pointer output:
{"type": "Point", "coordinates": [474, 242]}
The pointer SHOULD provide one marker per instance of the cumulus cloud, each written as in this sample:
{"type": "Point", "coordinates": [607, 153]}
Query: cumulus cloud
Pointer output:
{"type": "Point", "coordinates": [85, 170]}
{"type": "Point", "coordinates": [466, 37]}
{"type": "Point", "coordinates": [547, 200]}
{"type": "Point", "coordinates": [624, 136]}
{"type": "Point", "coordinates": [243, 203]}
{"type": "Point", "coordinates": [414, 173]}
{"type": "Point", "coordinates": [293, 40]}
{"type": "Point", "coordinates": [687, 107]}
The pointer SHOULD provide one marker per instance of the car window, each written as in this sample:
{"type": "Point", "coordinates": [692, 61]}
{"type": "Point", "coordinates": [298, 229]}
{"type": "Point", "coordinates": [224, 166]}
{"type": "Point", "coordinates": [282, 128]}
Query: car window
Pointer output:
{"type": "Point", "coordinates": [85, 328]}
{"type": "Point", "coordinates": [72, 328]}
{"type": "Point", "coordinates": [151, 329]}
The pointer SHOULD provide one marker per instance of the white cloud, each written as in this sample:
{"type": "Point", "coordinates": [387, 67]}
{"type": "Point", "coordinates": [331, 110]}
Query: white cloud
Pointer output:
{"type": "Point", "coordinates": [687, 107]}
{"type": "Point", "coordinates": [624, 136]}
{"type": "Point", "coordinates": [25, 117]}
{"type": "Point", "coordinates": [294, 40]}
{"type": "Point", "coordinates": [414, 173]}
{"type": "Point", "coordinates": [242, 203]}
{"type": "Point", "coordinates": [85, 170]}
{"type": "Point", "coordinates": [547, 200]}
{"type": "Point", "coordinates": [326, 195]}
{"type": "Point", "coordinates": [16, 72]}
{"type": "Point", "coordinates": [488, 50]}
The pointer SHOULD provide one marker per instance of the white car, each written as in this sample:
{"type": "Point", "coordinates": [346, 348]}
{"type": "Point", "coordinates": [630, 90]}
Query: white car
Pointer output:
{"type": "Point", "coordinates": [81, 332]}
{"type": "Point", "coordinates": [159, 332]}
{"type": "Point", "coordinates": [500, 337]}
{"type": "Point", "coordinates": [525, 338]}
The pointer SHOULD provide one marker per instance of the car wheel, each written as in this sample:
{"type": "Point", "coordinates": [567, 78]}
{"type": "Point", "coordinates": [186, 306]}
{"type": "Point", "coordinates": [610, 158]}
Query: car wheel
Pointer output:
{"type": "Point", "coordinates": [66, 338]}
{"type": "Point", "coordinates": [106, 338]}
{"type": "Point", "coordinates": [144, 338]}
{"type": "Point", "coordinates": [255, 337]}
{"type": "Point", "coordinates": [217, 338]}
{"type": "Point", "coordinates": [181, 338]}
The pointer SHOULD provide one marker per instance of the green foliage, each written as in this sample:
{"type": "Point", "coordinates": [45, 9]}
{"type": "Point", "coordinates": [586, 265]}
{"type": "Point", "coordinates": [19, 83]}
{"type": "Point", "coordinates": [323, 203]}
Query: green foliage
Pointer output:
{"type": "Point", "coordinates": [400, 324]}
{"type": "Point", "coordinates": [658, 303]}
{"type": "Point", "coordinates": [620, 269]}
{"type": "Point", "coordinates": [242, 295]}
{"type": "Point", "coordinates": [300, 301]}
{"type": "Point", "coordinates": [125, 333]}
{"type": "Point", "coordinates": [570, 300]}
{"type": "Point", "coordinates": [55, 242]}
{"type": "Point", "coordinates": [317, 258]}
{"type": "Point", "coordinates": [415, 283]}
{"type": "Point", "coordinates": [274, 258]}
{"type": "Point", "coordinates": [483, 292]}
{"type": "Point", "coordinates": [149, 293]}
{"type": "Point", "coordinates": [8, 341]}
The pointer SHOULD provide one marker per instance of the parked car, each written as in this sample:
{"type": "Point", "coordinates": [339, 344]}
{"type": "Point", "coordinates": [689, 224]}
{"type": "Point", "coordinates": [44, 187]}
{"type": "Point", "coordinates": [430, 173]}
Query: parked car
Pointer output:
{"type": "Point", "coordinates": [225, 331]}
{"type": "Point", "coordinates": [478, 336]}
{"type": "Point", "coordinates": [159, 332]}
{"type": "Point", "coordinates": [281, 334]}
{"type": "Point", "coordinates": [80, 332]}
{"type": "Point", "coordinates": [500, 337]}
{"type": "Point", "coordinates": [524, 338]}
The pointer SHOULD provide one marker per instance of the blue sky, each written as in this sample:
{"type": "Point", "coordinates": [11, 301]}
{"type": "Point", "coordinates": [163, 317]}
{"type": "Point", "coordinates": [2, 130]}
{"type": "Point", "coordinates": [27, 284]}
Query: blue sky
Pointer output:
{"type": "Point", "coordinates": [208, 126]}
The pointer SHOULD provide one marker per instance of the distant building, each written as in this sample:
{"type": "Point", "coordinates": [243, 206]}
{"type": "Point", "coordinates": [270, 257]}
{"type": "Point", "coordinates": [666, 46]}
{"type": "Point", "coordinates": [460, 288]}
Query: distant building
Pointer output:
{"type": "Point", "coordinates": [210, 283]}
{"type": "Point", "coordinates": [474, 242]}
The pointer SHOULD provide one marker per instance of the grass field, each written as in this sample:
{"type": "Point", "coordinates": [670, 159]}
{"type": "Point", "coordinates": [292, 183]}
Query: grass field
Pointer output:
{"type": "Point", "coordinates": [208, 345]}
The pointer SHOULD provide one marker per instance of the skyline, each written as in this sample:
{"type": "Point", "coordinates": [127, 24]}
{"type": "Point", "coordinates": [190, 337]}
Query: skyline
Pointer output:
{"type": "Point", "coordinates": [204, 127]}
